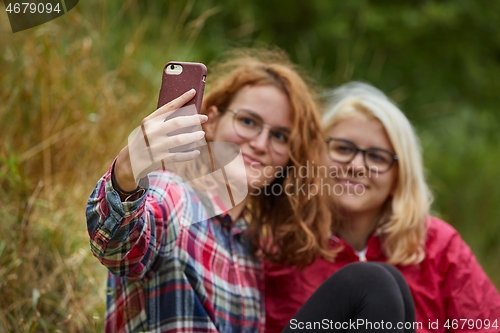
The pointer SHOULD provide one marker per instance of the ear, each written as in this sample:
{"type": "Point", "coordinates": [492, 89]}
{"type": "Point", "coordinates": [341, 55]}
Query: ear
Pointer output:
{"type": "Point", "coordinates": [213, 119]}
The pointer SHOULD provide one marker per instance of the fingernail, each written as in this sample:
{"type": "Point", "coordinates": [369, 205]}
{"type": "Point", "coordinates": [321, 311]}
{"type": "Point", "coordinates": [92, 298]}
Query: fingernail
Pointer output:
{"type": "Point", "coordinates": [191, 91]}
{"type": "Point", "coordinates": [203, 118]}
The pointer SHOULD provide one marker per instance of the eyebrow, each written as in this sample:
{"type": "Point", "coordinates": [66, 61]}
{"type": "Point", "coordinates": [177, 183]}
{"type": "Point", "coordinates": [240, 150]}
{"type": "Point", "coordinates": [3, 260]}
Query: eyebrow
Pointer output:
{"type": "Point", "coordinates": [284, 129]}
{"type": "Point", "coordinates": [372, 148]}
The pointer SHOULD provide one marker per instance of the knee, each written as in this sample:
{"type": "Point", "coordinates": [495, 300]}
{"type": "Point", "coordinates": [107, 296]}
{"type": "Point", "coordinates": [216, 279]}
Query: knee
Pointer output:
{"type": "Point", "coordinates": [365, 275]}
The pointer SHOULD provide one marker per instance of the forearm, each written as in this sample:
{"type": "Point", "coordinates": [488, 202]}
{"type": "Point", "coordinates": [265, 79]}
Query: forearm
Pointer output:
{"type": "Point", "coordinates": [126, 237]}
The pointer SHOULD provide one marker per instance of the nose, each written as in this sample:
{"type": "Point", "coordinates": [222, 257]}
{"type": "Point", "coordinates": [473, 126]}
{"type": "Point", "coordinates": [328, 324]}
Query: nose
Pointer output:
{"type": "Point", "coordinates": [358, 162]}
{"type": "Point", "coordinates": [260, 142]}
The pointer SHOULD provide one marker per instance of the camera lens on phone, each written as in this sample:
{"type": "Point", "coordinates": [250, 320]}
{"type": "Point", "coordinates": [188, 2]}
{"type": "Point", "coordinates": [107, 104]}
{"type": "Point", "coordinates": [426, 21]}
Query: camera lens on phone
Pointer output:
{"type": "Point", "coordinates": [172, 67]}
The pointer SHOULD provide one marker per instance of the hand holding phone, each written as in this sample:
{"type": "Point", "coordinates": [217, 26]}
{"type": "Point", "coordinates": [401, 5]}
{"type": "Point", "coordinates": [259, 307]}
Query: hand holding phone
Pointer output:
{"type": "Point", "coordinates": [169, 133]}
{"type": "Point", "coordinates": [149, 145]}
{"type": "Point", "coordinates": [179, 77]}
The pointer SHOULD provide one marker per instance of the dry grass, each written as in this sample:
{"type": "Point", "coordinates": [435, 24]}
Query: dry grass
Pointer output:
{"type": "Point", "coordinates": [71, 91]}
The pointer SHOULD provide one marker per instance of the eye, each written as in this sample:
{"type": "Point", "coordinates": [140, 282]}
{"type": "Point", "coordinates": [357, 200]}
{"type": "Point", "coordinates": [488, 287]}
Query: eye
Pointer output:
{"type": "Point", "coordinates": [343, 149]}
{"type": "Point", "coordinates": [378, 157]}
{"type": "Point", "coordinates": [246, 121]}
{"type": "Point", "coordinates": [279, 136]}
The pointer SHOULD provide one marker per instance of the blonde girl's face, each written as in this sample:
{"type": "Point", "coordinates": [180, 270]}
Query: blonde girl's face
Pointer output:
{"type": "Point", "coordinates": [358, 189]}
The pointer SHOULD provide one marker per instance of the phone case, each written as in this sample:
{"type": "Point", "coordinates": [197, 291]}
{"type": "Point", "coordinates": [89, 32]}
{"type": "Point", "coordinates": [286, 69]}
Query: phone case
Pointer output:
{"type": "Point", "coordinates": [193, 75]}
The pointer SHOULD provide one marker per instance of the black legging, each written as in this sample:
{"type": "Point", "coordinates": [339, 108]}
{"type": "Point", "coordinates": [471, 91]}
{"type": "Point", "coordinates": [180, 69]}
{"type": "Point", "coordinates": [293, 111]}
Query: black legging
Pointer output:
{"type": "Point", "coordinates": [360, 297]}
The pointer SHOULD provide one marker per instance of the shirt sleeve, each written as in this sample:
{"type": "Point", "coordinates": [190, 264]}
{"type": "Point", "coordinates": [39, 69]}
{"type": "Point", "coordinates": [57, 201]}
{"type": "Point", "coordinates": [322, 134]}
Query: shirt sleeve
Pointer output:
{"type": "Point", "coordinates": [470, 298]}
{"type": "Point", "coordinates": [129, 237]}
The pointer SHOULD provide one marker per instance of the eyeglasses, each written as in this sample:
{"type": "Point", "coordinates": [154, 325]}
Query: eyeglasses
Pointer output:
{"type": "Point", "coordinates": [344, 151]}
{"type": "Point", "coordinates": [249, 125]}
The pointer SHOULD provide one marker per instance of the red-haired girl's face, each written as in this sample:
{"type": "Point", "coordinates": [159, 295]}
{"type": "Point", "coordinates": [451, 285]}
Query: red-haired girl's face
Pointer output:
{"type": "Point", "coordinates": [258, 121]}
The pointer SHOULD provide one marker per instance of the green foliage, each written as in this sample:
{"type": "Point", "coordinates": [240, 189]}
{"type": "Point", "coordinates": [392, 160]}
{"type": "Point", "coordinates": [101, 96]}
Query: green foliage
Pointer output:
{"type": "Point", "coordinates": [461, 150]}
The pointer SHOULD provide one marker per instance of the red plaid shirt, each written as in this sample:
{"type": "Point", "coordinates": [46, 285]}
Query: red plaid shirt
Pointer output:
{"type": "Point", "coordinates": [167, 273]}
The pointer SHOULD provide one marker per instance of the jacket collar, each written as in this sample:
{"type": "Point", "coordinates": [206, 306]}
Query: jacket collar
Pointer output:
{"type": "Point", "coordinates": [373, 248]}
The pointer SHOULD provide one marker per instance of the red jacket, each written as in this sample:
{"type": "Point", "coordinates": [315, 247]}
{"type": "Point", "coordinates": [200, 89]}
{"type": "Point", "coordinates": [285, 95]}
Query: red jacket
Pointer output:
{"type": "Point", "coordinates": [448, 284]}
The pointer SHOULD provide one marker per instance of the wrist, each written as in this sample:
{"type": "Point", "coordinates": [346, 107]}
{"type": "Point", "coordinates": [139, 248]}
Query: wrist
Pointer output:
{"type": "Point", "coordinates": [126, 195]}
{"type": "Point", "coordinates": [122, 175]}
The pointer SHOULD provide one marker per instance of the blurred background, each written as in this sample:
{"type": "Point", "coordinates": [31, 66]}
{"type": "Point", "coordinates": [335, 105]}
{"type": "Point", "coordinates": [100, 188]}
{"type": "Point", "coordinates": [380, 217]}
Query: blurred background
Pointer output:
{"type": "Point", "coordinates": [72, 89]}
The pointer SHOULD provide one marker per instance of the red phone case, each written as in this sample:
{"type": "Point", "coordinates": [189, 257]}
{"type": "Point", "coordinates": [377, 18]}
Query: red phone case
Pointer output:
{"type": "Point", "coordinates": [193, 75]}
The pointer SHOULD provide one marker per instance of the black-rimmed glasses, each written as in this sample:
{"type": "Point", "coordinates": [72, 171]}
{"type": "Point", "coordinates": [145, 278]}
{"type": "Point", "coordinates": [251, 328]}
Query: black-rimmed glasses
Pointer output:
{"type": "Point", "coordinates": [248, 125]}
{"type": "Point", "coordinates": [344, 151]}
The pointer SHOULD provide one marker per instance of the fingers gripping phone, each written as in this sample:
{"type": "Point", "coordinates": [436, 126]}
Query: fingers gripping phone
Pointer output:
{"type": "Point", "coordinates": [179, 77]}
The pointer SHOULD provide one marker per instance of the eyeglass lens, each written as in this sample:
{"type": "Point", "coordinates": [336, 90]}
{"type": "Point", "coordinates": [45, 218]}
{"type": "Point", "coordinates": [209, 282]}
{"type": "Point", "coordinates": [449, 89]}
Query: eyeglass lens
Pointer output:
{"type": "Point", "coordinates": [344, 152]}
{"type": "Point", "coordinates": [249, 125]}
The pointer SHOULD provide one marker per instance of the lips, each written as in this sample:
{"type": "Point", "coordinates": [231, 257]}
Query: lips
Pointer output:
{"type": "Point", "coordinates": [252, 161]}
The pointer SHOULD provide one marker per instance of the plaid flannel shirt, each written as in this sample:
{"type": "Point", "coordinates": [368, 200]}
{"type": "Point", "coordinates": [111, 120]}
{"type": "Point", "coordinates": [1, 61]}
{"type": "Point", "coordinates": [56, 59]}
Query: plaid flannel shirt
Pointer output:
{"type": "Point", "coordinates": [166, 273]}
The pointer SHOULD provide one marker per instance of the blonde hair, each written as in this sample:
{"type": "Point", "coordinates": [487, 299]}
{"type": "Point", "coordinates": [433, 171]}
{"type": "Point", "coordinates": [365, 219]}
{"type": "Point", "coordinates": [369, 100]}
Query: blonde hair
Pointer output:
{"type": "Point", "coordinates": [403, 230]}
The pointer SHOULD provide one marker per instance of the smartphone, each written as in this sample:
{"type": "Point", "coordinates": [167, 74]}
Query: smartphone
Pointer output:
{"type": "Point", "coordinates": [179, 77]}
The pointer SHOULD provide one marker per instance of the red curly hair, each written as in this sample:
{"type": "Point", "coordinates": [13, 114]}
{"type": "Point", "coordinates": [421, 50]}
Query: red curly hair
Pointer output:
{"type": "Point", "coordinates": [287, 229]}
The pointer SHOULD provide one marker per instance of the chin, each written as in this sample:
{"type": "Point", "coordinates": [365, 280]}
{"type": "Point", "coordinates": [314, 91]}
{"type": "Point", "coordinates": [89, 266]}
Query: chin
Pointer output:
{"type": "Point", "coordinates": [350, 203]}
{"type": "Point", "coordinates": [252, 174]}
{"type": "Point", "coordinates": [254, 185]}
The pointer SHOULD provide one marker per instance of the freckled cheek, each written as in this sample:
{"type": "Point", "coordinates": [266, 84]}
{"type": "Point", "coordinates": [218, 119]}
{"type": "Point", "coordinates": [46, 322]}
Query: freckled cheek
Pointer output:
{"type": "Point", "coordinates": [225, 132]}
{"type": "Point", "coordinates": [229, 136]}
